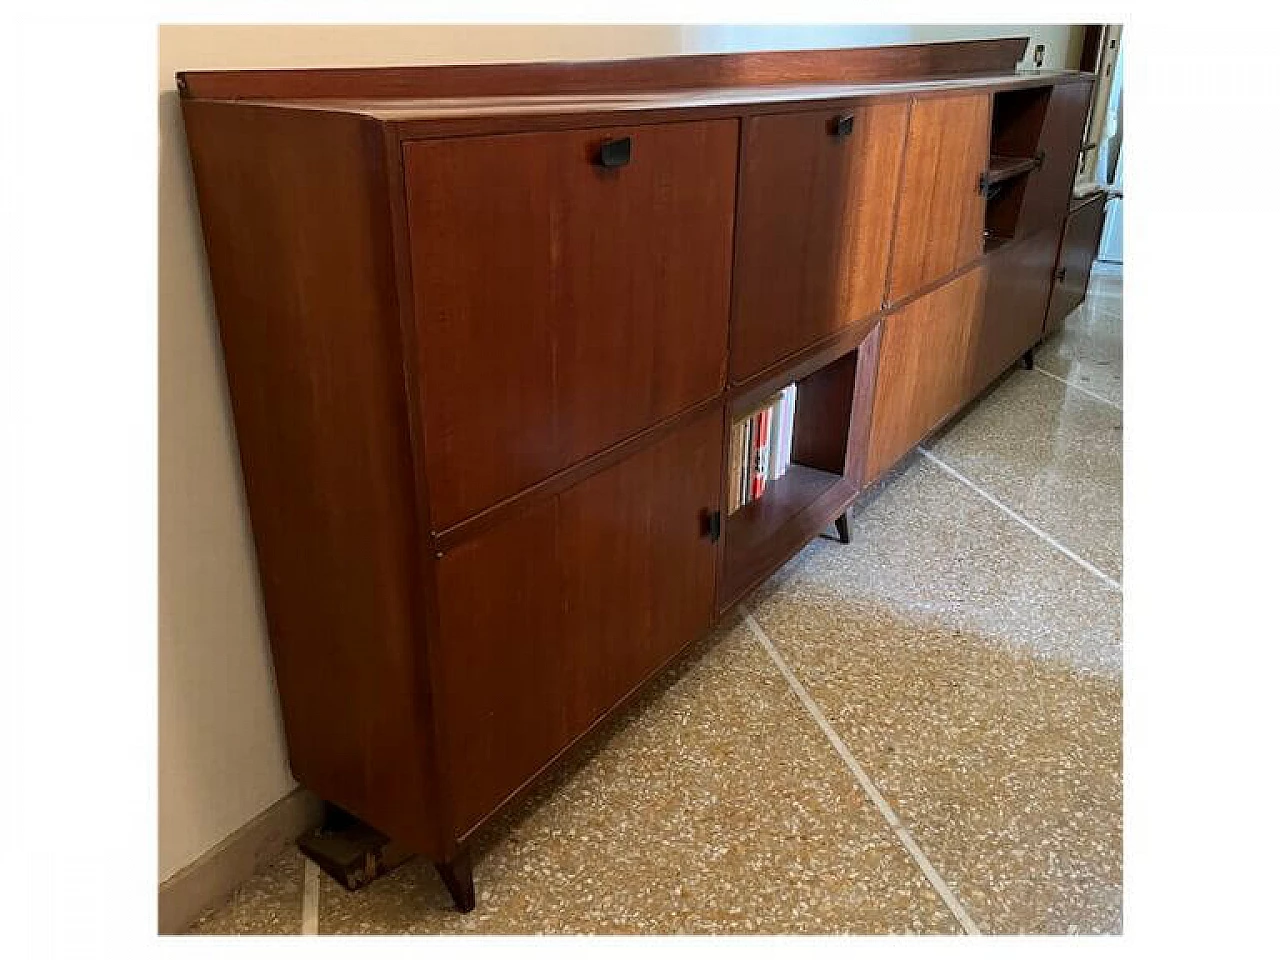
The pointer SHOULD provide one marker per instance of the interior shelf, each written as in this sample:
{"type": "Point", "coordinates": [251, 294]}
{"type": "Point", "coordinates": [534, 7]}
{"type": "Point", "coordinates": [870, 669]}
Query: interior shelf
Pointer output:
{"type": "Point", "coordinates": [755, 523]}
{"type": "Point", "coordinates": [1001, 169]}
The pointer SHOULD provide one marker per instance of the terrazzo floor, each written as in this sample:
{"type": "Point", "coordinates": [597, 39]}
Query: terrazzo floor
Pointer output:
{"type": "Point", "coordinates": [919, 732]}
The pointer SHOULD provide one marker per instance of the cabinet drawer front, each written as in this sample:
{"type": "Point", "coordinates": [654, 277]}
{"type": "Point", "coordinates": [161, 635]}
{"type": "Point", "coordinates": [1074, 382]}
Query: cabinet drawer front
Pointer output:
{"type": "Point", "coordinates": [547, 620]}
{"type": "Point", "coordinates": [815, 219]}
{"type": "Point", "coordinates": [923, 376]}
{"type": "Point", "coordinates": [571, 288]}
{"type": "Point", "coordinates": [939, 224]}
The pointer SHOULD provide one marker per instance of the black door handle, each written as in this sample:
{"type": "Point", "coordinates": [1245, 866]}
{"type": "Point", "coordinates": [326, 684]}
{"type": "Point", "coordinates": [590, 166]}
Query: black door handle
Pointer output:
{"type": "Point", "coordinates": [614, 153]}
{"type": "Point", "coordinates": [842, 125]}
{"type": "Point", "coordinates": [711, 525]}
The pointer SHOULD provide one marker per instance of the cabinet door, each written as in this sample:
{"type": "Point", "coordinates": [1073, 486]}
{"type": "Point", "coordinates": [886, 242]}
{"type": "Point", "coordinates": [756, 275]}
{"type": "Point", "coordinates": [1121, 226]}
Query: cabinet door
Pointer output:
{"type": "Point", "coordinates": [1018, 280]}
{"type": "Point", "coordinates": [1048, 189]}
{"type": "Point", "coordinates": [815, 220]}
{"type": "Point", "coordinates": [1079, 248]}
{"type": "Point", "coordinates": [923, 376]}
{"type": "Point", "coordinates": [940, 215]}
{"type": "Point", "coordinates": [548, 619]}
{"type": "Point", "coordinates": [563, 304]}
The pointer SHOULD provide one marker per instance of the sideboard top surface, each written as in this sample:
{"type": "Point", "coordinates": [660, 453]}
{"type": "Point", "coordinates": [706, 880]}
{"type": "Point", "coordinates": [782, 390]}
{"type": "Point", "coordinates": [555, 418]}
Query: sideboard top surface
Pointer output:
{"type": "Point", "coordinates": [750, 79]}
{"type": "Point", "coordinates": [400, 109]}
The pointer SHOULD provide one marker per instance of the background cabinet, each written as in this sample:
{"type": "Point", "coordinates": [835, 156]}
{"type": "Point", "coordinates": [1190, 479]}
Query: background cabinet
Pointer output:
{"type": "Point", "coordinates": [1076, 253]}
{"type": "Point", "coordinates": [815, 217]}
{"type": "Point", "coordinates": [562, 305]}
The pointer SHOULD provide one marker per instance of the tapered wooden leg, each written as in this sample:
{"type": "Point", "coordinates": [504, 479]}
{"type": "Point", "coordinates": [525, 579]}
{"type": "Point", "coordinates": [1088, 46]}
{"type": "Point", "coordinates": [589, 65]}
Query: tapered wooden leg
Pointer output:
{"type": "Point", "coordinates": [842, 527]}
{"type": "Point", "coordinates": [456, 874]}
{"type": "Point", "coordinates": [1029, 359]}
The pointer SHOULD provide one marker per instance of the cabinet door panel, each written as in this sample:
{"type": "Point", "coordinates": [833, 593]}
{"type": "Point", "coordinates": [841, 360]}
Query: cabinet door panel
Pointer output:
{"type": "Point", "coordinates": [1048, 189]}
{"type": "Point", "coordinates": [548, 619]}
{"type": "Point", "coordinates": [563, 305]}
{"type": "Point", "coordinates": [499, 687]}
{"type": "Point", "coordinates": [1080, 237]}
{"type": "Point", "coordinates": [923, 376]}
{"type": "Point", "coordinates": [940, 215]}
{"type": "Point", "coordinates": [1018, 280]}
{"type": "Point", "coordinates": [815, 220]}
{"type": "Point", "coordinates": [639, 573]}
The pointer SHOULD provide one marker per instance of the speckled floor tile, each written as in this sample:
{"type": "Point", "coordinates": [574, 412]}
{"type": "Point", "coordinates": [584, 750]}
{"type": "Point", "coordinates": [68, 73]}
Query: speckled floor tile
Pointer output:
{"type": "Point", "coordinates": [268, 903]}
{"type": "Point", "coordinates": [1089, 350]}
{"type": "Point", "coordinates": [938, 556]}
{"type": "Point", "coordinates": [716, 806]}
{"type": "Point", "coordinates": [1051, 454]}
{"type": "Point", "coordinates": [974, 672]}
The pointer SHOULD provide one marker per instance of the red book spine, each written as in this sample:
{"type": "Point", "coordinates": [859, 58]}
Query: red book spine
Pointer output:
{"type": "Point", "coordinates": [753, 490]}
{"type": "Point", "coordinates": [760, 455]}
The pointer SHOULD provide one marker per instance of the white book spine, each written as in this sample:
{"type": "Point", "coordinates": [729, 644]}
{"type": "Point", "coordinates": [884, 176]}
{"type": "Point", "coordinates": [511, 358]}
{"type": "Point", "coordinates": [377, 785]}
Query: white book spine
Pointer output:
{"type": "Point", "coordinates": [775, 447]}
{"type": "Point", "coordinates": [786, 419]}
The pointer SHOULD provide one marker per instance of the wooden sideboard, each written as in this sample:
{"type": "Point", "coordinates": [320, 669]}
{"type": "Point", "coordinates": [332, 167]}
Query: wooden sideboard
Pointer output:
{"type": "Point", "coordinates": [488, 332]}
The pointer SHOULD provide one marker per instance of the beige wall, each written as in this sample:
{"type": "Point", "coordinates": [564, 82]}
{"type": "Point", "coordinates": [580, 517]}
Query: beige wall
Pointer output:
{"type": "Point", "coordinates": [1062, 41]}
{"type": "Point", "coordinates": [221, 748]}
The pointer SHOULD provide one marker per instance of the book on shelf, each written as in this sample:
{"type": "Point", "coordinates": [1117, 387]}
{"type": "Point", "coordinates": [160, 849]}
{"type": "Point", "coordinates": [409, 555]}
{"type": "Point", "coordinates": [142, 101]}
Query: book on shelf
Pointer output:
{"type": "Point", "coordinates": [760, 453]}
{"type": "Point", "coordinates": [784, 418]}
{"type": "Point", "coordinates": [736, 444]}
{"type": "Point", "coordinates": [760, 448]}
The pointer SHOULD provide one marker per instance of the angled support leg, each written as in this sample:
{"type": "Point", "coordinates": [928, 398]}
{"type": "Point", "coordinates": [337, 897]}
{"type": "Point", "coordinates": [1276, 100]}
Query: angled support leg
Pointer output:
{"type": "Point", "coordinates": [842, 527]}
{"type": "Point", "coordinates": [456, 874]}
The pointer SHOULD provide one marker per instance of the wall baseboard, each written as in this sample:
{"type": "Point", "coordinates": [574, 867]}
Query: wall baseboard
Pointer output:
{"type": "Point", "coordinates": [211, 878]}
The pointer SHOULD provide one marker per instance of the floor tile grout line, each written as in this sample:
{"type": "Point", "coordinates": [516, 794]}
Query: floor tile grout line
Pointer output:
{"type": "Point", "coordinates": [868, 786]}
{"type": "Point", "coordinates": [1076, 386]}
{"type": "Point", "coordinates": [1013, 514]}
{"type": "Point", "coordinates": [310, 899]}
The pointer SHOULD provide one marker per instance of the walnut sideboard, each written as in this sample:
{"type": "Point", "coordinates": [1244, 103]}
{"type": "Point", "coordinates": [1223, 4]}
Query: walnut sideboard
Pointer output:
{"type": "Point", "coordinates": [488, 331]}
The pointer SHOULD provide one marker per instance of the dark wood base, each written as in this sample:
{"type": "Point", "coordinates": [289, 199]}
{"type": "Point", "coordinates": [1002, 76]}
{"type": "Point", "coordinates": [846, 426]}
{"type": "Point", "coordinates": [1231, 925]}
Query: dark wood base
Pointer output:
{"type": "Point", "coordinates": [456, 874]}
{"type": "Point", "coordinates": [1029, 359]}
{"type": "Point", "coordinates": [351, 851]}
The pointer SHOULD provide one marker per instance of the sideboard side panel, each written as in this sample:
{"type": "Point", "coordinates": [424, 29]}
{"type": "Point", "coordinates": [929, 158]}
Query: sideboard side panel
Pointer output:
{"type": "Point", "coordinates": [296, 229]}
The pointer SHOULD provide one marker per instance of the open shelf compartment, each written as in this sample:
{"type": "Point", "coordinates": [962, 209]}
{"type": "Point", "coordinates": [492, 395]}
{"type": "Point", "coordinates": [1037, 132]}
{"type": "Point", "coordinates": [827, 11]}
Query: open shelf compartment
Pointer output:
{"type": "Point", "coordinates": [1017, 118]}
{"type": "Point", "coordinates": [822, 474]}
